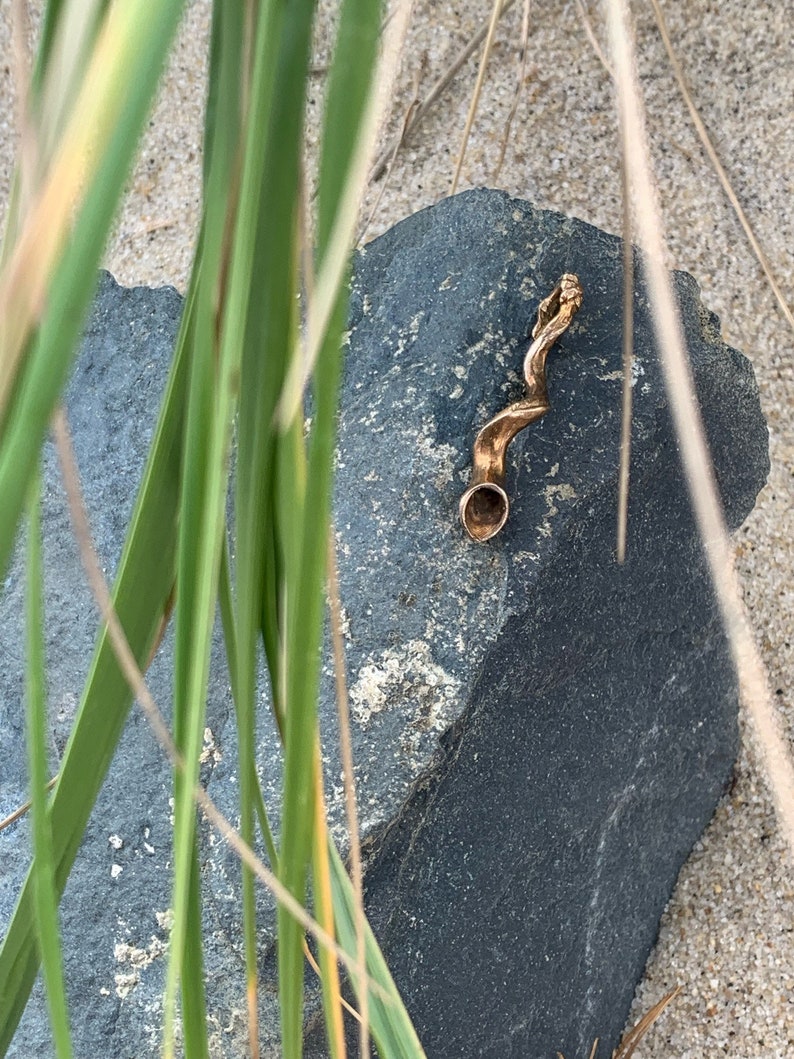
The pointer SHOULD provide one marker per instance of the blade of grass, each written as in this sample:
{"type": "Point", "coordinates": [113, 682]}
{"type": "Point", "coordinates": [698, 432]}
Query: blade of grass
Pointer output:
{"type": "Point", "coordinates": [521, 76]}
{"type": "Point", "coordinates": [257, 574]}
{"type": "Point", "coordinates": [393, 1021]}
{"type": "Point", "coordinates": [349, 123]}
{"type": "Point", "coordinates": [59, 318]}
{"type": "Point", "coordinates": [346, 749]}
{"type": "Point", "coordinates": [392, 1029]}
{"type": "Point", "coordinates": [130, 668]}
{"type": "Point", "coordinates": [324, 911]}
{"type": "Point", "coordinates": [212, 401]}
{"type": "Point", "coordinates": [260, 319]}
{"type": "Point", "coordinates": [55, 13]}
{"type": "Point", "coordinates": [58, 76]}
{"type": "Point", "coordinates": [590, 33]}
{"type": "Point", "coordinates": [143, 586]}
{"type": "Point", "coordinates": [226, 603]}
{"type": "Point", "coordinates": [45, 895]}
{"type": "Point", "coordinates": [349, 129]}
{"type": "Point", "coordinates": [89, 133]}
{"type": "Point", "coordinates": [271, 333]}
{"type": "Point", "coordinates": [336, 241]}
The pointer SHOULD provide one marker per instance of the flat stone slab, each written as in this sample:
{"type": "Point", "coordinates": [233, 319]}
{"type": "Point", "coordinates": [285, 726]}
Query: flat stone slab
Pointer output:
{"type": "Point", "coordinates": [540, 734]}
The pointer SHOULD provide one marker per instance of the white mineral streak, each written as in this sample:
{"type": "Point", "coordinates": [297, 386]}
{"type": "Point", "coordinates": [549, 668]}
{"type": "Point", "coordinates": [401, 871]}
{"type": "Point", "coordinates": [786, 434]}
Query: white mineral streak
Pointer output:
{"type": "Point", "coordinates": [438, 460]}
{"type": "Point", "coordinates": [406, 674]}
{"type": "Point", "coordinates": [617, 376]}
{"type": "Point", "coordinates": [136, 960]}
{"type": "Point", "coordinates": [551, 494]}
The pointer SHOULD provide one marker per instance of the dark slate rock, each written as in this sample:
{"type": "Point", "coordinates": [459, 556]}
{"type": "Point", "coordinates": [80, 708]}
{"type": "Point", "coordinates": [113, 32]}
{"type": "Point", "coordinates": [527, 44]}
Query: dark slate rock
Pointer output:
{"type": "Point", "coordinates": [540, 735]}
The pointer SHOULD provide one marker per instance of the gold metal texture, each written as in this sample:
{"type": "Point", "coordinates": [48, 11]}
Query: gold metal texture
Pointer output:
{"type": "Point", "coordinates": [484, 506]}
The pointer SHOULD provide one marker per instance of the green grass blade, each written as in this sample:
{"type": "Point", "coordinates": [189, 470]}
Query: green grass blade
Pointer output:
{"type": "Point", "coordinates": [348, 94]}
{"type": "Point", "coordinates": [391, 1026]}
{"type": "Point", "coordinates": [254, 546]}
{"type": "Point", "coordinates": [143, 585]}
{"type": "Point", "coordinates": [213, 391]}
{"type": "Point", "coordinates": [194, 1005]}
{"type": "Point", "coordinates": [349, 87]}
{"type": "Point", "coordinates": [45, 895]}
{"type": "Point", "coordinates": [232, 359]}
{"type": "Point", "coordinates": [230, 639]}
{"type": "Point", "coordinates": [269, 206]}
{"type": "Point", "coordinates": [51, 353]}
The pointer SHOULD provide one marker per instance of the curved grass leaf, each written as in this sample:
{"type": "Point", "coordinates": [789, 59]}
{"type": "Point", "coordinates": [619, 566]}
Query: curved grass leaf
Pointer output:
{"type": "Point", "coordinates": [45, 896]}
{"type": "Point", "coordinates": [143, 586]}
{"type": "Point", "coordinates": [392, 1029]}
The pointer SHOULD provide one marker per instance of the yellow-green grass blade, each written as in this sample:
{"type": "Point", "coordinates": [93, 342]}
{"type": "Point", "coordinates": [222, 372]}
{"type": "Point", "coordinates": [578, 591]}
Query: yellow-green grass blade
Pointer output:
{"type": "Point", "coordinates": [270, 324]}
{"type": "Point", "coordinates": [230, 639]}
{"type": "Point", "coordinates": [50, 23]}
{"type": "Point", "coordinates": [67, 34]}
{"type": "Point", "coordinates": [324, 913]}
{"type": "Point", "coordinates": [198, 554]}
{"type": "Point", "coordinates": [45, 895]}
{"type": "Point", "coordinates": [143, 585]}
{"type": "Point", "coordinates": [348, 93]}
{"type": "Point", "coordinates": [390, 1023]}
{"type": "Point", "coordinates": [50, 351]}
{"type": "Point", "coordinates": [303, 661]}
{"type": "Point", "coordinates": [212, 401]}
{"type": "Point", "coordinates": [261, 374]}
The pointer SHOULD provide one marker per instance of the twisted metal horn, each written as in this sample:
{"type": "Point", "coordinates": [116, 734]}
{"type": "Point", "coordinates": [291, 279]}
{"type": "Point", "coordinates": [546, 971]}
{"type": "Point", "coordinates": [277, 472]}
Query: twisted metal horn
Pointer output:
{"type": "Point", "coordinates": [484, 506]}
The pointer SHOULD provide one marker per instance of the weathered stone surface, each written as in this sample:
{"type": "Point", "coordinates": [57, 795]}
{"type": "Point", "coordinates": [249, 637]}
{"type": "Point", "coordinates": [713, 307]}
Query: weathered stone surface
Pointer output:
{"type": "Point", "coordinates": [540, 735]}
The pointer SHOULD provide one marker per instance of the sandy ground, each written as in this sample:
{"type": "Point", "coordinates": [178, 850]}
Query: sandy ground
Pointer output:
{"type": "Point", "coordinates": [727, 934]}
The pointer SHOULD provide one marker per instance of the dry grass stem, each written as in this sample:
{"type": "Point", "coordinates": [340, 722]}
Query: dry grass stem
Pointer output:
{"type": "Point", "coordinates": [149, 227]}
{"type": "Point", "coordinates": [719, 169]}
{"type": "Point", "coordinates": [307, 952]}
{"type": "Point", "coordinates": [346, 749]}
{"type": "Point", "coordinates": [520, 81]}
{"type": "Point", "coordinates": [627, 400]}
{"type": "Point", "coordinates": [132, 674]}
{"type": "Point", "coordinates": [689, 427]}
{"type": "Point", "coordinates": [436, 92]}
{"type": "Point", "coordinates": [399, 141]}
{"type": "Point", "coordinates": [630, 1041]}
{"type": "Point", "coordinates": [627, 1046]}
{"type": "Point", "coordinates": [496, 14]}
{"type": "Point", "coordinates": [20, 811]}
{"type": "Point", "coordinates": [624, 467]}
{"type": "Point", "coordinates": [593, 1051]}
{"type": "Point", "coordinates": [587, 25]}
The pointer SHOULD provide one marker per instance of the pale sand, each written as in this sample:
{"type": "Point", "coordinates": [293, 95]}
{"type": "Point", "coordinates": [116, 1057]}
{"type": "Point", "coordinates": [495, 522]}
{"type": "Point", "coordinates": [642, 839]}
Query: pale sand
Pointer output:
{"type": "Point", "coordinates": [727, 934]}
